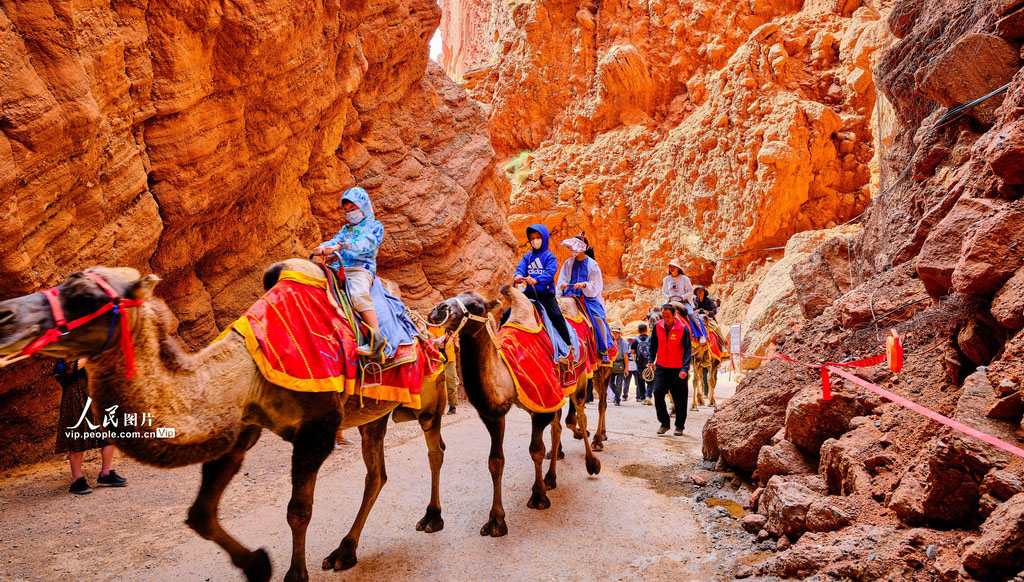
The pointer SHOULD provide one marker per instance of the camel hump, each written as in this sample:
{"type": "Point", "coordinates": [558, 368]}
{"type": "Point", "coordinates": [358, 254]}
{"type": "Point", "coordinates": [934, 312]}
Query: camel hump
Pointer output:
{"type": "Point", "coordinates": [273, 272]}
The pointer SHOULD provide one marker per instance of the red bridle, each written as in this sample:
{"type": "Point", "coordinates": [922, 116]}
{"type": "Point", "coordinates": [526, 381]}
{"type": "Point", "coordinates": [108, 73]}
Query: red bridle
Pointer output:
{"type": "Point", "coordinates": [63, 326]}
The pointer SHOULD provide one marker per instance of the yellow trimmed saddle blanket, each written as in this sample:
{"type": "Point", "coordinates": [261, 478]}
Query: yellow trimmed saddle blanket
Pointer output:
{"type": "Point", "coordinates": [300, 341]}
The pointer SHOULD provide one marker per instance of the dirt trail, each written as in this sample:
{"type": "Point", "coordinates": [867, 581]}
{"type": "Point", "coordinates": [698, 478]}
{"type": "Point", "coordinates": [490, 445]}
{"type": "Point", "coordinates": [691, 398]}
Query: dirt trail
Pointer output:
{"type": "Point", "coordinates": [626, 523]}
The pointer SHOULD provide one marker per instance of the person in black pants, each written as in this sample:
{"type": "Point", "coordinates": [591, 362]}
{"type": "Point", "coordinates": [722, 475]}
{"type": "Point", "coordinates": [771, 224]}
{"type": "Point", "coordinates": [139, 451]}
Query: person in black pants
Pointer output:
{"type": "Point", "coordinates": [670, 358]}
{"type": "Point", "coordinates": [640, 350]}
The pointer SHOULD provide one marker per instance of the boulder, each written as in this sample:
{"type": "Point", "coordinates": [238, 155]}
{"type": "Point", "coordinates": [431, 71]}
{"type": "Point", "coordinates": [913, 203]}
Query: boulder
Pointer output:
{"type": "Point", "coordinates": [1008, 304]}
{"type": "Point", "coordinates": [953, 80]}
{"type": "Point", "coordinates": [978, 342]}
{"type": "Point", "coordinates": [940, 253]}
{"type": "Point", "coordinates": [992, 251]}
{"type": "Point", "coordinates": [829, 514]}
{"type": "Point", "coordinates": [1002, 484]}
{"type": "Point", "coordinates": [783, 458]}
{"type": "Point", "coordinates": [943, 485]}
{"type": "Point", "coordinates": [810, 420]}
{"type": "Point", "coordinates": [823, 276]}
{"type": "Point", "coordinates": [1006, 373]}
{"type": "Point", "coordinates": [744, 424]}
{"type": "Point", "coordinates": [999, 552]}
{"type": "Point", "coordinates": [847, 463]}
{"type": "Point", "coordinates": [1005, 155]}
{"type": "Point", "coordinates": [1007, 407]}
{"type": "Point", "coordinates": [785, 503]}
{"type": "Point", "coordinates": [753, 522]}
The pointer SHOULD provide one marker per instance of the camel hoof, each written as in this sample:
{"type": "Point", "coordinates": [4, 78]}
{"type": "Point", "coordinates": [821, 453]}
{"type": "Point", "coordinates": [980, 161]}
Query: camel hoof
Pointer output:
{"type": "Point", "coordinates": [551, 482]}
{"type": "Point", "coordinates": [561, 454]}
{"type": "Point", "coordinates": [258, 567]}
{"type": "Point", "coordinates": [430, 523]}
{"type": "Point", "coordinates": [693, 408]}
{"type": "Point", "coordinates": [538, 501]}
{"type": "Point", "coordinates": [495, 527]}
{"type": "Point", "coordinates": [297, 576]}
{"type": "Point", "coordinates": [597, 446]}
{"type": "Point", "coordinates": [342, 558]}
{"type": "Point", "coordinates": [593, 466]}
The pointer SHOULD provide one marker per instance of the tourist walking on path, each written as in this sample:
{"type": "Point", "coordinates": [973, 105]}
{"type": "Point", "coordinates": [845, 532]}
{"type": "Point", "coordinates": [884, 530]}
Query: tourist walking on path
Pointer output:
{"type": "Point", "coordinates": [619, 370]}
{"type": "Point", "coordinates": [630, 370]}
{"type": "Point", "coordinates": [640, 350]}
{"type": "Point", "coordinates": [670, 358]}
{"type": "Point", "coordinates": [451, 375]}
{"type": "Point", "coordinates": [75, 427]}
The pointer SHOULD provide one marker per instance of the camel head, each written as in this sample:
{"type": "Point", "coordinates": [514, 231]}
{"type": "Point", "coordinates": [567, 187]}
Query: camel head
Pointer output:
{"type": "Point", "coordinates": [24, 319]}
{"type": "Point", "coordinates": [450, 312]}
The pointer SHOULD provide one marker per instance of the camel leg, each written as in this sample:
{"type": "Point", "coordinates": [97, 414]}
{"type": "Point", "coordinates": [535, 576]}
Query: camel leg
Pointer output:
{"type": "Point", "coordinates": [602, 406]}
{"type": "Point", "coordinates": [430, 422]}
{"type": "Point", "coordinates": [540, 421]}
{"type": "Point", "coordinates": [495, 526]}
{"type": "Point", "coordinates": [313, 442]}
{"type": "Point", "coordinates": [372, 436]}
{"type": "Point", "coordinates": [593, 464]}
{"type": "Point", "coordinates": [202, 516]}
{"type": "Point", "coordinates": [551, 479]}
{"type": "Point", "coordinates": [570, 420]}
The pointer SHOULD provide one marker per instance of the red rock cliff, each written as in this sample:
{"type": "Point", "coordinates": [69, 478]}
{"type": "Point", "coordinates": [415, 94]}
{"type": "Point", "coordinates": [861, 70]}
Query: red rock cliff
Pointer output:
{"type": "Point", "coordinates": [940, 260]}
{"type": "Point", "coordinates": [683, 128]}
{"type": "Point", "coordinates": [203, 141]}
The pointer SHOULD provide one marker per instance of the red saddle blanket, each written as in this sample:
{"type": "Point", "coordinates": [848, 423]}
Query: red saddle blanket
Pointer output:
{"type": "Point", "coordinates": [584, 330]}
{"type": "Point", "coordinates": [300, 341]}
{"type": "Point", "coordinates": [528, 353]}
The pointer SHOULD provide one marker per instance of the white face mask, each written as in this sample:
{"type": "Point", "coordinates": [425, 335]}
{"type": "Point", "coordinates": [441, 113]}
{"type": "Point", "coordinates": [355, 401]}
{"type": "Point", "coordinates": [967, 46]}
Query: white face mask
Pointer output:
{"type": "Point", "coordinates": [537, 243]}
{"type": "Point", "coordinates": [355, 216]}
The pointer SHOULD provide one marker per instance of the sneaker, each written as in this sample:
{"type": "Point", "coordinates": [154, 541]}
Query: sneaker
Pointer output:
{"type": "Point", "coordinates": [647, 402]}
{"type": "Point", "coordinates": [112, 479]}
{"type": "Point", "coordinates": [662, 429]}
{"type": "Point", "coordinates": [616, 403]}
{"type": "Point", "coordinates": [679, 432]}
{"type": "Point", "coordinates": [451, 410]}
{"type": "Point", "coordinates": [80, 487]}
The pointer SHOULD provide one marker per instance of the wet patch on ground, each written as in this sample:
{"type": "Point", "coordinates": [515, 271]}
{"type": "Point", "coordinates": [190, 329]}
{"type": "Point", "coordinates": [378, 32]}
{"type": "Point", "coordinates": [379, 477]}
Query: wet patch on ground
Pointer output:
{"type": "Point", "coordinates": [666, 480]}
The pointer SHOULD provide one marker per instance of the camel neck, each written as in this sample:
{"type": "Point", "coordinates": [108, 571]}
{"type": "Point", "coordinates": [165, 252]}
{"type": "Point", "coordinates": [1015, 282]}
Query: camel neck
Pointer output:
{"type": "Point", "coordinates": [194, 394]}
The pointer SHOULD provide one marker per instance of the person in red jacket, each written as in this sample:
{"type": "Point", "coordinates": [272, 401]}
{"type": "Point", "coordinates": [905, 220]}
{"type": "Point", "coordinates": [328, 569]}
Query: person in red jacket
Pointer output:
{"type": "Point", "coordinates": [670, 358]}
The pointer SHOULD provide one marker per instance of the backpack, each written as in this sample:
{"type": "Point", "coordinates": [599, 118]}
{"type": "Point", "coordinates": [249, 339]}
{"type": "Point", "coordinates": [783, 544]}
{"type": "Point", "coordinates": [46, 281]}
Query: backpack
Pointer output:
{"type": "Point", "coordinates": [643, 351]}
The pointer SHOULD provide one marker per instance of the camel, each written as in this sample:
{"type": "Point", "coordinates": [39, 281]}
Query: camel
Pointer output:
{"type": "Point", "coordinates": [218, 403]}
{"type": "Point", "coordinates": [491, 390]}
{"type": "Point", "coordinates": [571, 308]}
{"type": "Point", "coordinates": [703, 362]}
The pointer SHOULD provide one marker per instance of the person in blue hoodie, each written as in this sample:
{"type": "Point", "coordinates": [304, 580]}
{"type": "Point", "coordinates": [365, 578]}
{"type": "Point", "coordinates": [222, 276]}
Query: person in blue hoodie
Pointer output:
{"type": "Point", "coordinates": [358, 242]}
{"type": "Point", "coordinates": [537, 269]}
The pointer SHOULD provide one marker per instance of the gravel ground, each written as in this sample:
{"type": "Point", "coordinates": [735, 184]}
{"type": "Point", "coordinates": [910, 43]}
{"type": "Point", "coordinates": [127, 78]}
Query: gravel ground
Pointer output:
{"type": "Point", "coordinates": [640, 518]}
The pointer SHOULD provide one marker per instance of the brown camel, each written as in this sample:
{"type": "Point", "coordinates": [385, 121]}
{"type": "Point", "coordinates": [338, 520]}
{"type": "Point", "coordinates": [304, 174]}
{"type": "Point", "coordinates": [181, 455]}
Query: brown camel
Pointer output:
{"type": "Point", "coordinates": [491, 390]}
{"type": "Point", "coordinates": [599, 383]}
{"type": "Point", "coordinates": [218, 403]}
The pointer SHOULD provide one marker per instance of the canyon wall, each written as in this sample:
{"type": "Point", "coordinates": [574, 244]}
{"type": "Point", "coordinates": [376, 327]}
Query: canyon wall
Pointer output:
{"type": "Point", "coordinates": [203, 141]}
{"type": "Point", "coordinates": [940, 260]}
{"type": "Point", "coordinates": [683, 129]}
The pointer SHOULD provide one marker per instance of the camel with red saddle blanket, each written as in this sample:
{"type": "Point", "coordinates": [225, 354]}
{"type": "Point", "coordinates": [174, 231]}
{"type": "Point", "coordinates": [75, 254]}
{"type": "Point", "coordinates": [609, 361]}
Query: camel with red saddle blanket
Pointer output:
{"type": "Point", "coordinates": [217, 400]}
{"type": "Point", "coordinates": [509, 367]}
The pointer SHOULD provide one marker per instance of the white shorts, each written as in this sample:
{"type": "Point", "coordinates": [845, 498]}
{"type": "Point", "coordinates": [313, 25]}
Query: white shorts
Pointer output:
{"type": "Point", "coordinates": [359, 282]}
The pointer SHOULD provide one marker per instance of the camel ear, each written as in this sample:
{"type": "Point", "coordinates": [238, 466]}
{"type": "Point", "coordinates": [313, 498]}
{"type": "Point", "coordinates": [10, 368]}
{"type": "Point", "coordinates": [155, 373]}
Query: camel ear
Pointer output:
{"type": "Point", "coordinates": [143, 288]}
{"type": "Point", "coordinates": [494, 305]}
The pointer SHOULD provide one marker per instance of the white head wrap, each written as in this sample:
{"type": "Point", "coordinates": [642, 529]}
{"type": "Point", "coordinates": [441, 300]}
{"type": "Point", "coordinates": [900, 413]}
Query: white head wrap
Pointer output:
{"type": "Point", "coordinates": [575, 245]}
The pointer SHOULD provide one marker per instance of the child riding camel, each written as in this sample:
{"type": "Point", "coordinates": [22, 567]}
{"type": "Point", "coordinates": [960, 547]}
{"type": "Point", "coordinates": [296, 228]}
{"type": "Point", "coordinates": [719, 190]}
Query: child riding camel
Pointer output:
{"type": "Point", "coordinates": [537, 269]}
{"type": "Point", "coordinates": [358, 243]}
{"type": "Point", "coordinates": [580, 275]}
{"type": "Point", "coordinates": [677, 287]}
